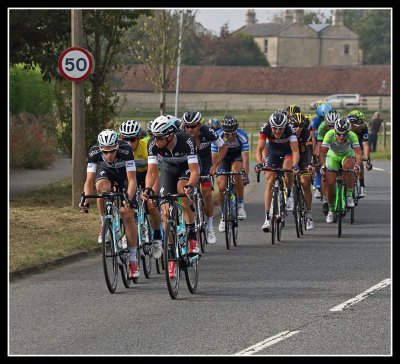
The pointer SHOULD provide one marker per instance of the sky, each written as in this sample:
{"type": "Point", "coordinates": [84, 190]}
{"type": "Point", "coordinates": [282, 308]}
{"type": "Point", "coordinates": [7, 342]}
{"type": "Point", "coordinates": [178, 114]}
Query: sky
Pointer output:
{"type": "Point", "coordinates": [214, 18]}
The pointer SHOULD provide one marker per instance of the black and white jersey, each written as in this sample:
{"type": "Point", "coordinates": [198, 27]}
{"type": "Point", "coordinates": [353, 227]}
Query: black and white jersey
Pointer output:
{"type": "Point", "coordinates": [183, 151]}
{"type": "Point", "coordinates": [207, 136]}
{"type": "Point", "coordinates": [283, 143]}
{"type": "Point", "coordinates": [123, 162]}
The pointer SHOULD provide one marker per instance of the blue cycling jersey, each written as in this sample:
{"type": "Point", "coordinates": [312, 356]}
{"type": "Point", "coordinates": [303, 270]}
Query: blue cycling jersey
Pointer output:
{"type": "Point", "coordinates": [238, 145]}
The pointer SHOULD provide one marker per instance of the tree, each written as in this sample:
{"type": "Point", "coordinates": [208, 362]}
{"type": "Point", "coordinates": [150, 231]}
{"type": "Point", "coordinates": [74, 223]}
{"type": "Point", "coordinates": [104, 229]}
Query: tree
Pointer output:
{"type": "Point", "coordinates": [157, 48]}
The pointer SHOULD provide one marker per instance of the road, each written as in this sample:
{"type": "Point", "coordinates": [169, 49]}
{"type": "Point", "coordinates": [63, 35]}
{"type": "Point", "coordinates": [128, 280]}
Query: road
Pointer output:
{"type": "Point", "coordinates": [256, 299]}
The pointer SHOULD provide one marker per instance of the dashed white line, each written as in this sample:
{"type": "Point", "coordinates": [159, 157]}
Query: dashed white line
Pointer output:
{"type": "Point", "coordinates": [267, 342]}
{"type": "Point", "coordinates": [361, 296]}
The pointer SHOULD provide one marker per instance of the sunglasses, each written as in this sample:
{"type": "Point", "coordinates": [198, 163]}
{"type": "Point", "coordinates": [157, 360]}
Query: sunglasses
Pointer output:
{"type": "Point", "coordinates": [191, 126]}
{"type": "Point", "coordinates": [160, 137]}
{"type": "Point", "coordinates": [229, 134]}
{"type": "Point", "coordinates": [109, 151]}
{"type": "Point", "coordinates": [132, 139]}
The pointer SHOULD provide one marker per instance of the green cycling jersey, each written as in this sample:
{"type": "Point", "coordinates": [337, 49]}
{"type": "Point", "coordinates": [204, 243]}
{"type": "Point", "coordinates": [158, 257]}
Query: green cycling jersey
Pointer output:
{"type": "Point", "coordinates": [322, 130]}
{"type": "Point", "coordinates": [340, 149]}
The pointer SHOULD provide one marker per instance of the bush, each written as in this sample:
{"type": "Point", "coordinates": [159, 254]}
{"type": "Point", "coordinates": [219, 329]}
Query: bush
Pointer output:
{"type": "Point", "coordinates": [30, 146]}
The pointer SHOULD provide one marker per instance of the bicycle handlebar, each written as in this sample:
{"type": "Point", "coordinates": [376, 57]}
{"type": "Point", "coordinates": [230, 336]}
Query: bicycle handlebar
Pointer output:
{"type": "Point", "coordinates": [105, 194]}
{"type": "Point", "coordinates": [339, 170]}
{"type": "Point", "coordinates": [174, 196]}
{"type": "Point", "coordinates": [272, 170]}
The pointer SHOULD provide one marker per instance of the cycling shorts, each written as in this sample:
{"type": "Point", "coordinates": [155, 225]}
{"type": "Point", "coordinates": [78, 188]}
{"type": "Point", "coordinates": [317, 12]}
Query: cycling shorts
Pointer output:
{"type": "Point", "coordinates": [114, 175]}
{"type": "Point", "coordinates": [226, 164]}
{"type": "Point", "coordinates": [275, 158]}
{"type": "Point", "coordinates": [335, 161]}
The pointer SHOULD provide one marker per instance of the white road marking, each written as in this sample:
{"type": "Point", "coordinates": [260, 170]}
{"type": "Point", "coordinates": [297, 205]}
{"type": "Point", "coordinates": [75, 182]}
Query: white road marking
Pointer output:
{"type": "Point", "coordinates": [361, 296]}
{"type": "Point", "coordinates": [378, 169]}
{"type": "Point", "coordinates": [267, 342]}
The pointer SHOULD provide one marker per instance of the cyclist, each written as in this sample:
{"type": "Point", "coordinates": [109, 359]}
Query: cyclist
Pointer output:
{"type": "Point", "coordinates": [236, 158]}
{"type": "Point", "coordinates": [204, 136]}
{"type": "Point", "coordinates": [330, 118]}
{"type": "Point", "coordinates": [342, 150]}
{"type": "Point", "coordinates": [283, 149]}
{"type": "Point", "coordinates": [111, 161]}
{"type": "Point", "coordinates": [322, 109]}
{"type": "Point", "coordinates": [301, 125]}
{"type": "Point", "coordinates": [358, 126]}
{"type": "Point", "coordinates": [179, 170]}
{"type": "Point", "coordinates": [213, 123]}
{"type": "Point", "coordinates": [131, 132]}
{"type": "Point", "coordinates": [291, 109]}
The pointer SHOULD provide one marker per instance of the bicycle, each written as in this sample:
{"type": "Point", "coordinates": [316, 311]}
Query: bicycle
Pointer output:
{"type": "Point", "coordinates": [201, 221]}
{"type": "Point", "coordinates": [278, 206]}
{"type": "Point", "coordinates": [145, 234]}
{"type": "Point", "coordinates": [340, 201]}
{"type": "Point", "coordinates": [114, 252]}
{"type": "Point", "coordinates": [176, 246]}
{"type": "Point", "coordinates": [299, 206]}
{"type": "Point", "coordinates": [230, 209]}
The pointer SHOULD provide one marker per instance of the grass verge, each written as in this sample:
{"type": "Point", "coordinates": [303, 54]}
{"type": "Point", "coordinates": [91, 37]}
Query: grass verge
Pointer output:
{"type": "Point", "coordinates": [44, 227]}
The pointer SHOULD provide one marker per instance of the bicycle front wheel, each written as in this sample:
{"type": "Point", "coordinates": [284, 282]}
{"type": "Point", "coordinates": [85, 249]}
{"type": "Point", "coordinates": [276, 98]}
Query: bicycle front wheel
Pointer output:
{"type": "Point", "coordinates": [296, 210]}
{"type": "Point", "coordinates": [227, 218]}
{"type": "Point", "coordinates": [146, 251]}
{"type": "Point", "coordinates": [234, 219]}
{"type": "Point", "coordinates": [171, 260]}
{"type": "Point", "coordinates": [340, 209]}
{"type": "Point", "coordinates": [109, 256]}
{"type": "Point", "coordinates": [192, 272]}
{"type": "Point", "coordinates": [274, 216]}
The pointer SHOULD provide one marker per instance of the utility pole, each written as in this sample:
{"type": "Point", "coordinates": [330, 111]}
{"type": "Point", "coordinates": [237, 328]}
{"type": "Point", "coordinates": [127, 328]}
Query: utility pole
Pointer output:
{"type": "Point", "coordinates": [78, 117]}
{"type": "Point", "coordinates": [178, 70]}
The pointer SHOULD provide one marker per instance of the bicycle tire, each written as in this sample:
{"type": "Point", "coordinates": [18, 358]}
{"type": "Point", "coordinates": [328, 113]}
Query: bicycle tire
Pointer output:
{"type": "Point", "coordinates": [170, 251]}
{"type": "Point", "coordinates": [146, 253]}
{"type": "Point", "coordinates": [124, 266]}
{"type": "Point", "coordinates": [234, 219]}
{"type": "Point", "coordinates": [200, 223]}
{"type": "Point", "coordinates": [109, 256]}
{"type": "Point", "coordinates": [303, 210]}
{"type": "Point", "coordinates": [228, 226]}
{"type": "Point", "coordinates": [296, 210]}
{"type": "Point", "coordinates": [281, 221]}
{"type": "Point", "coordinates": [340, 210]}
{"type": "Point", "coordinates": [274, 218]}
{"type": "Point", "coordinates": [191, 271]}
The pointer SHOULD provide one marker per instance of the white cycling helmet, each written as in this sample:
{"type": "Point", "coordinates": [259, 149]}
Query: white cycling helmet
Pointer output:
{"type": "Point", "coordinates": [342, 126]}
{"type": "Point", "coordinates": [278, 120]}
{"type": "Point", "coordinates": [107, 137]}
{"type": "Point", "coordinates": [191, 117]}
{"type": "Point", "coordinates": [165, 125]}
{"type": "Point", "coordinates": [331, 117]}
{"type": "Point", "coordinates": [130, 128]}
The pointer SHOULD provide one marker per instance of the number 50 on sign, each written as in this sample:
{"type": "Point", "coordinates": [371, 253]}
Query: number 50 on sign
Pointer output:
{"type": "Point", "coordinates": [75, 64]}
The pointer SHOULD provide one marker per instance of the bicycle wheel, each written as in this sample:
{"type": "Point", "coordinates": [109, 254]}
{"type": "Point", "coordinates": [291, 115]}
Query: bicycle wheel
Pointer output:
{"type": "Point", "coordinates": [282, 214]}
{"type": "Point", "coordinates": [170, 257]}
{"type": "Point", "coordinates": [227, 216]}
{"type": "Point", "coordinates": [191, 271]}
{"type": "Point", "coordinates": [146, 251]}
{"type": "Point", "coordinates": [200, 224]}
{"type": "Point", "coordinates": [234, 219]}
{"type": "Point", "coordinates": [274, 215]}
{"type": "Point", "coordinates": [340, 209]}
{"type": "Point", "coordinates": [303, 212]}
{"type": "Point", "coordinates": [124, 257]}
{"type": "Point", "coordinates": [109, 256]}
{"type": "Point", "coordinates": [296, 210]}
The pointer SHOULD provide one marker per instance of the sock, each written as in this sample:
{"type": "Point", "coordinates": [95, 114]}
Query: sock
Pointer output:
{"type": "Point", "coordinates": [289, 191]}
{"type": "Point", "coordinates": [332, 207]}
{"type": "Point", "coordinates": [132, 254]}
{"type": "Point", "coordinates": [266, 213]}
{"type": "Point", "coordinates": [241, 204]}
{"type": "Point", "coordinates": [362, 182]}
{"type": "Point", "coordinates": [349, 192]}
{"type": "Point", "coordinates": [157, 234]}
{"type": "Point", "coordinates": [309, 213]}
{"type": "Point", "coordinates": [102, 218]}
{"type": "Point", "coordinates": [210, 222]}
{"type": "Point", "coordinates": [240, 201]}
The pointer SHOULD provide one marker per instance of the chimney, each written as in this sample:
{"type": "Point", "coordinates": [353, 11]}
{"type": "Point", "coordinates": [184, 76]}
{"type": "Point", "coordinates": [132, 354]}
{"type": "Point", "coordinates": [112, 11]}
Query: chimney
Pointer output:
{"type": "Point", "coordinates": [337, 17]}
{"type": "Point", "coordinates": [288, 16]}
{"type": "Point", "coordinates": [298, 16]}
{"type": "Point", "coordinates": [251, 17]}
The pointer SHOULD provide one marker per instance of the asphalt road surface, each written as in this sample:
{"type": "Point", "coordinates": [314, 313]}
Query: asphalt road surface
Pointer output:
{"type": "Point", "coordinates": [317, 295]}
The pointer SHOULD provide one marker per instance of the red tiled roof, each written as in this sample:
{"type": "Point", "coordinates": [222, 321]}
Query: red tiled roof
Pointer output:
{"type": "Point", "coordinates": [365, 80]}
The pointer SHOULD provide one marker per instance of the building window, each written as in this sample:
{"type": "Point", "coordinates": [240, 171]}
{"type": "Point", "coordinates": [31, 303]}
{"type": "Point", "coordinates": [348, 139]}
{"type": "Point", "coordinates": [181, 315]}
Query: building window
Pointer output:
{"type": "Point", "coordinates": [265, 46]}
{"type": "Point", "coordinates": [346, 49]}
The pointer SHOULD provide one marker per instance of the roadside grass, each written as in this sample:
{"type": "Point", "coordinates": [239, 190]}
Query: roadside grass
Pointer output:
{"type": "Point", "coordinates": [44, 227]}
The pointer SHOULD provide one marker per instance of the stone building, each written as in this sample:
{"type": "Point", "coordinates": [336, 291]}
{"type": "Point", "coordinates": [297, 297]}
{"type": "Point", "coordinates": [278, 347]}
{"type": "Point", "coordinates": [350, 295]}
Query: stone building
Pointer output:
{"type": "Point", "coordinates": [292, 43]}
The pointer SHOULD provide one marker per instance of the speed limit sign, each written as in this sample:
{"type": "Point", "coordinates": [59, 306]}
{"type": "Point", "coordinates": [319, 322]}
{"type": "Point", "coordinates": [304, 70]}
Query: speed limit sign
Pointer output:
{"type": "Point", "coordinates": [75, 64]}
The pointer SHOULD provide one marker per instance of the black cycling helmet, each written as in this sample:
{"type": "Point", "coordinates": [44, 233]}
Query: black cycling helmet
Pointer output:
{"type": "Point", "coordinates": [292, 109]}
{"type": "Point", "coordinates": [229, 124]}
{"type": "Point", "coordinates": [278, 120]}
{"type": "Point", "coordinates": [298, 120]}
{"type": "Point", "coordinates": [191, 117]}
{"type": "Point", "coordinates": [342, 126]}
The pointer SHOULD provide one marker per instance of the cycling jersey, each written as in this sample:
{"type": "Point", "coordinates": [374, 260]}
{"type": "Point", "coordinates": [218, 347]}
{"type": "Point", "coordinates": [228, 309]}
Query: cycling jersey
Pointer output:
{"type": "Point", "coordinates": [140, 156]}
{"type": "Point", "coordinates": [236, 147]}
{"type": "Point", "coordinates": [315, 123]}
{"type": "Point", "coordinates": [115, 171]}
{"type": "Point", "coordinates": [362, 135]}
{"type": "Point", "coordinates": [322, 130]}
{"type": "Point", "coordinates": [278, 149]}
{"type": "Point", "coordinates": [305, 148]}
{"type": "Point", "coordinates": [174, 162]}
{"type": "Point", "coordinates": [340, 149]}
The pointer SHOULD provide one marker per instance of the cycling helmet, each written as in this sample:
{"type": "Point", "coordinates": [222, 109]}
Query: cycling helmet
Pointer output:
{"type": "Point", "coordinates": [292, 109]}
{"type": "Point", "coordinates": [191, 117]}
{"type": "Point", "coordinates": [342, 126]}
{"type": "Point", "coordinates": [323, 109]}
{"type": "Point", "coordinates": [107, 137]}
{"type": "Point", "coordinates": [148, 129]}
{"type": "Point", "coordinates": [165, 125]}
{"type": "Point", "coordinates": [130, 128]}
{"type": "Point", "coordinates": [354, 119]}
{"type": "Point", "coordinates": [298, 120]}
{"type": "Point", "coordinates": [331, 117]}
{"type": "Point", "coordinates": [229, 124]}
{"type": "Point", "coordinates": [278, 120]}
{"type": "Point", "coordinates": [358, 113]}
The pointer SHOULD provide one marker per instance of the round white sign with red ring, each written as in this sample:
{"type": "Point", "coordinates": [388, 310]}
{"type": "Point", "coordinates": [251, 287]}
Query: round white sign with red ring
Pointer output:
{"type": "Point", "coordinates": [75, 64]}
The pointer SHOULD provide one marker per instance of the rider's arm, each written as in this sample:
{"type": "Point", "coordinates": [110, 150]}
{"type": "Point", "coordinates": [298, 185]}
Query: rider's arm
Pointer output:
{"type": "Point", "coordinates": [152, 174]}
{"type": "Point", "coordinates": [357, 152]}
{"type": "Point", "coordinates": [131, 176]}
{"type": "Point", "coordinates": [322, 154]}
{"type": "Point", "coordinates": [245, 158]}
{"type": "Point", "coordinates": [218, 157]}
{"type": "Point", "coordinates": [259, 151]}
{"type": "Point", "coordinates": [294, 145]}
{"type": "Point", "coordinates": [194, 174]}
